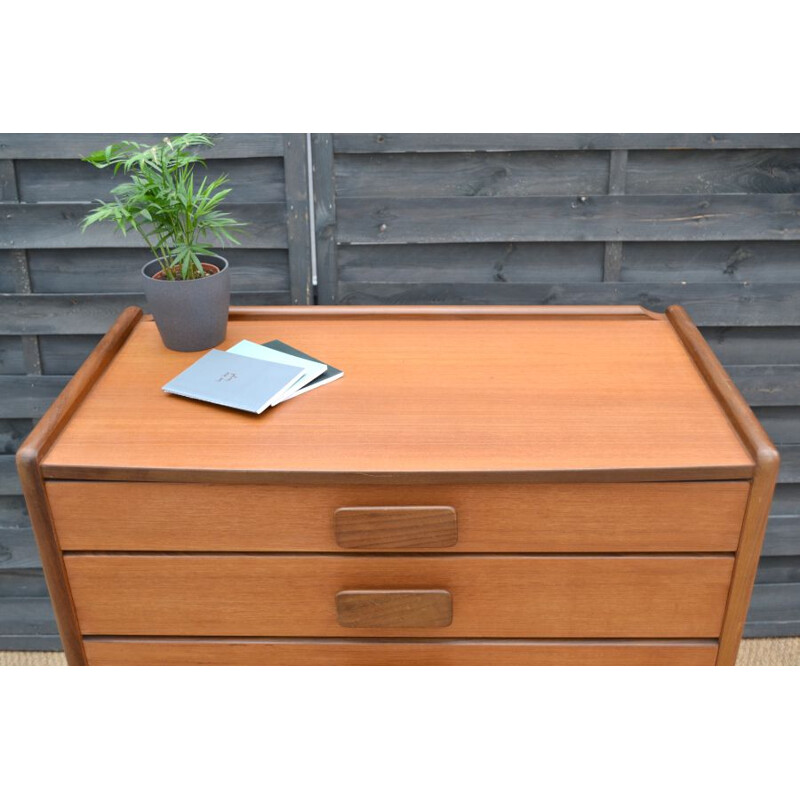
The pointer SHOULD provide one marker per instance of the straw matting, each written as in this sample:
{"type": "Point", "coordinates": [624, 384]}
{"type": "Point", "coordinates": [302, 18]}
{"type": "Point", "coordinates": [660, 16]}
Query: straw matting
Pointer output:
{"type": "Point", "coordinates": [784, 652]}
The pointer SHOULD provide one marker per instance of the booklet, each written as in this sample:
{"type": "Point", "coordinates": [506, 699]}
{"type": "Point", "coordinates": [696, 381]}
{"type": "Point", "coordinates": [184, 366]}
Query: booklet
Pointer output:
{"type": "Point", "coordinates": [236, 381]}
{"type": "Point", "coordinates": [330, 373]}
{"type": "Point", "coordinates": [312, 369]}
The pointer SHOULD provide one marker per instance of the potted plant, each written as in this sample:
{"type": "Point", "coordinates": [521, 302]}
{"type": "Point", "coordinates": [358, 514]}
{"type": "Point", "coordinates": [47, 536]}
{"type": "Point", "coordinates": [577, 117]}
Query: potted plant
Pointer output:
{"type": "Point", "coordinates": [187, 285]}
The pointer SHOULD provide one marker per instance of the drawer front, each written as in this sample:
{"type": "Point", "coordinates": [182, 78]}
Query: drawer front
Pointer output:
{"type": "Point", "coordinates": [142, 652]}
{"type": "Point", "coordinates": [491, 596]}
{"type": "Point", "coordinates": [490, 518]}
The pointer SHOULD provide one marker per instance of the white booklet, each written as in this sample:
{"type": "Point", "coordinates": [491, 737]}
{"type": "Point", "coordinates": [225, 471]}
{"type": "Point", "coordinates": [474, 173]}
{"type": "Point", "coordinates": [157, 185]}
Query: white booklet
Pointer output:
{"type": "Point", "coordinates": [311, 369]}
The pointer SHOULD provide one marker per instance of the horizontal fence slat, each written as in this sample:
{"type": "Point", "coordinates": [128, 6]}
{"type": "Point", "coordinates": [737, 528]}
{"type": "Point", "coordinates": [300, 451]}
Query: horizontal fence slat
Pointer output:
{"type": "Point", "coordinates": [76, 145]}
{"type": "Point", "coordinates": [7, 282]}
{"type": "Point", "coordinates": [12, 361]}
{"type": "Point", "coordinates": [768, 385]}
{"type": "Point", "coordinates": [18, 549]}
{"type": "Point", "coordinates": [642, 262]}
{"type": "Point", "coordinates": [483, 263]}
{"type": "Point", "coordinates": [469, 142]}
{"type": "Point", "coordinates": [761, 630]}
{"type": "Point", "coordinates": [27, 616]}
{"type": "Point", "coordinates": [110, 270]}
{"type": "Point", "coordinates": [9, 480]}
{"type": "Point", "coordinates": [13, 513]}
{"type": "Point", "coordinates": [782, 423]}
{"type": "Point", "coordinates": [251, 180]}
{"type": "Point", "coordinates": [775, 603]}
{"type": "Point", "coordinates": [29, 395]}
{"type": "Point", "coordinates": [751, 345]}
{"type": "Point", "coordinates": [44, 644]}
{"type": "Point", "coordinates": [552, 219]}
{"type": "Point", "coordinates": [88, 313]}
{"type": "Point", "coordinates": [63, 354]}
{"type": "Point", "coordinates": [783, 536]}
{"type": "Point", "coordinates": [47, 225]}
{"type": "Point", "coordinates": [22, 583]}
{"type": "Point", "coordinates": [711, 262]}
{"type": "Point", "coordinates": [472, 175]}
{"type": "Point", "coordinates": [779, 569]}
{"type": "Point", "coordinates": [713, 172]}
{"type": "Point", "coordinates": [790, 463]}
{"type": "Point", "coordinates": [12, 434]}
{"type": "Point", "coordinates": [708, 304]}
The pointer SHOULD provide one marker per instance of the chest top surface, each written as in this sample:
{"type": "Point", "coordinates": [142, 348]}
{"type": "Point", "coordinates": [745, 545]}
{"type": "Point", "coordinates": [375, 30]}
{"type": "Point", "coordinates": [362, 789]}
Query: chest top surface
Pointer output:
{"type": "Point", "coordinates": [436, 391]}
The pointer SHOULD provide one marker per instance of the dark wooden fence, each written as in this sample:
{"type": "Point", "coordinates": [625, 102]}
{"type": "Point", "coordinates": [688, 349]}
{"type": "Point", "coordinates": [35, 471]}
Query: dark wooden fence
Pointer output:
{"type": "Point", "coordinates": [61, 290]}
{"type": "Point", "coordinates": [711, 221]}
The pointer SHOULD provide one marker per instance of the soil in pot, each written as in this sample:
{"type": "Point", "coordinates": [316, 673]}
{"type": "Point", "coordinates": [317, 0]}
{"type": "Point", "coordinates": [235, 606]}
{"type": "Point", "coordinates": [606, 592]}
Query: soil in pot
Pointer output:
{"type": "Point", "coordinates": [209, 269]}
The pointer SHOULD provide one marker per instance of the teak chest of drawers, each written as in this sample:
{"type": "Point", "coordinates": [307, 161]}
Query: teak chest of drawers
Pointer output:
{"type": "Point", "coordinates": [556, 485]}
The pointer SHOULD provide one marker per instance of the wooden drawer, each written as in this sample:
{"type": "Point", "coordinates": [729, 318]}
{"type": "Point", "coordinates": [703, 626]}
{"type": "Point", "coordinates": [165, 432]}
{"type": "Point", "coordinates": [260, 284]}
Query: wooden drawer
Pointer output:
{"type": "Point", "coordinates": [343, 652]}
{"type": "Point", "coordinates": [491, 596]}
{"type": "Point", "coordinates": [590, 517]}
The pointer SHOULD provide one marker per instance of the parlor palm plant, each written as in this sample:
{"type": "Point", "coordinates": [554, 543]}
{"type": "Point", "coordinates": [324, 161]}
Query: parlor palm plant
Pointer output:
{"type": "Point", "coordinates": [179, 217]}
{"type": "Point", "coordinates": [161, 202]}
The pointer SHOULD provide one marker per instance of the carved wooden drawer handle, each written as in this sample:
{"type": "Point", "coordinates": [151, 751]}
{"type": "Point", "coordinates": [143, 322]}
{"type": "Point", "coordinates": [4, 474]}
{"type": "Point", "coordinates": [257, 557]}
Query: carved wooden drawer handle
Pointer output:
{"type": "Point", "coordinates": [393, 527]}
{"type": "Point", "coordinates": [395, 608]}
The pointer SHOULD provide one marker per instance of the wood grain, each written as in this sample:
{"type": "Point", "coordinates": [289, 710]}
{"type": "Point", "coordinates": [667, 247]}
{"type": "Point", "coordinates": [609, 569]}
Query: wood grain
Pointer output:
{"type": "Point", "coordinates": [394, 527]}
{"type": "Point", "coordinates": [343, 652]}
{"type": "Point", "coordinates": [627, 517]}
{"type": "Point", "coordinates": [476, 142]}
{"type": "Point", "coordinates": [678, 217]}
{"type": "Point", "coordinates": [429, 397]}
{"type": "Point", "coordinates": [493, 596]}
{"type": "Point", "coordinates": [395, 608]}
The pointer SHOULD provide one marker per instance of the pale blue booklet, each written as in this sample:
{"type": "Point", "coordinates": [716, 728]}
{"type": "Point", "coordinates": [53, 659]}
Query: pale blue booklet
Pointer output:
{"type": "Point", "coordinates": [227, 379]}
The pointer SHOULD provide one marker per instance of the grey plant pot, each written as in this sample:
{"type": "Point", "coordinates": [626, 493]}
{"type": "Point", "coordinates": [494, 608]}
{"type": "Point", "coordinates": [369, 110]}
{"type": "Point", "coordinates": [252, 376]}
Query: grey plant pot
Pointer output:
{"type": "Point", "coordinates": [190, 315]}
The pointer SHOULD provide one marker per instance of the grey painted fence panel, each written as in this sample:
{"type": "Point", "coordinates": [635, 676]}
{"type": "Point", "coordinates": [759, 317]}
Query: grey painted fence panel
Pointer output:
{"type": "Point", "coordinates": [251, 180]}
{"type": "Point", "coordinates": [490, 142]}
{"type": "Point", "coordinates": [711, 262]}
{"type": "Point", "coordinates": [22, 583]}
{"type": "Point", "coordinates": [709, 304]}
{"type": "Point", "coordinates": [89, 313]}
{"type": "Point", "coordinates": [472, 174]}
{"type": "Point", "coordinates": [60, 290]}
{"type": "Point", "coordinates": [782, 423]}
{"type": "Point", "coordinates": [48, 225]}
{"type": "Point", "coordinates": [482, 263]}
{"type": "Point", "coordinates": [713, 172]}
{"type": "Point", "coordinates": [9, 480]}
{"type": "Point", "coordinates": [585, 218]}
{"type": "Point", "coordinates": [12, 434]}
{"type": "Point", "coordinates": [112, 271]}
{"type": "Point", "coordinates": [767, 345]}
{"type": "Point", "coordinates": [18, 549]}
{"type": "Point", "coordinates": [12, 361]}
{"type": "Point", "coordinates": [76, 145]}
{"type": "Point", "coordinates": [62, 354]}
{"type": "Point", "coordinates": [774, 610]}
{"type": "Point", "coordinates": [27, 616]}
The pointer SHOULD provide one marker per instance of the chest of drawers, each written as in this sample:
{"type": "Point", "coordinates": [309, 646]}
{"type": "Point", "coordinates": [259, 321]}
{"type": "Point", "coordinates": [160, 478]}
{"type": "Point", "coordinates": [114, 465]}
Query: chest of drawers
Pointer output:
{"type": "Point", "coordinates": [557, 485]}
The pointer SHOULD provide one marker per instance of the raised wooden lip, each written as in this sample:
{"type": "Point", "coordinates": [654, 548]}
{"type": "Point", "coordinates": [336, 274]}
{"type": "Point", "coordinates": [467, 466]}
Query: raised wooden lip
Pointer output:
{"type": "Point", "coordinates": [628, 312]}
{"type": "Point", "coordinates": [765, 474]}
{"type": "Point", "coordinates": [315, 478]}
{"type": "Point", "coordinates": [28, 459]}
